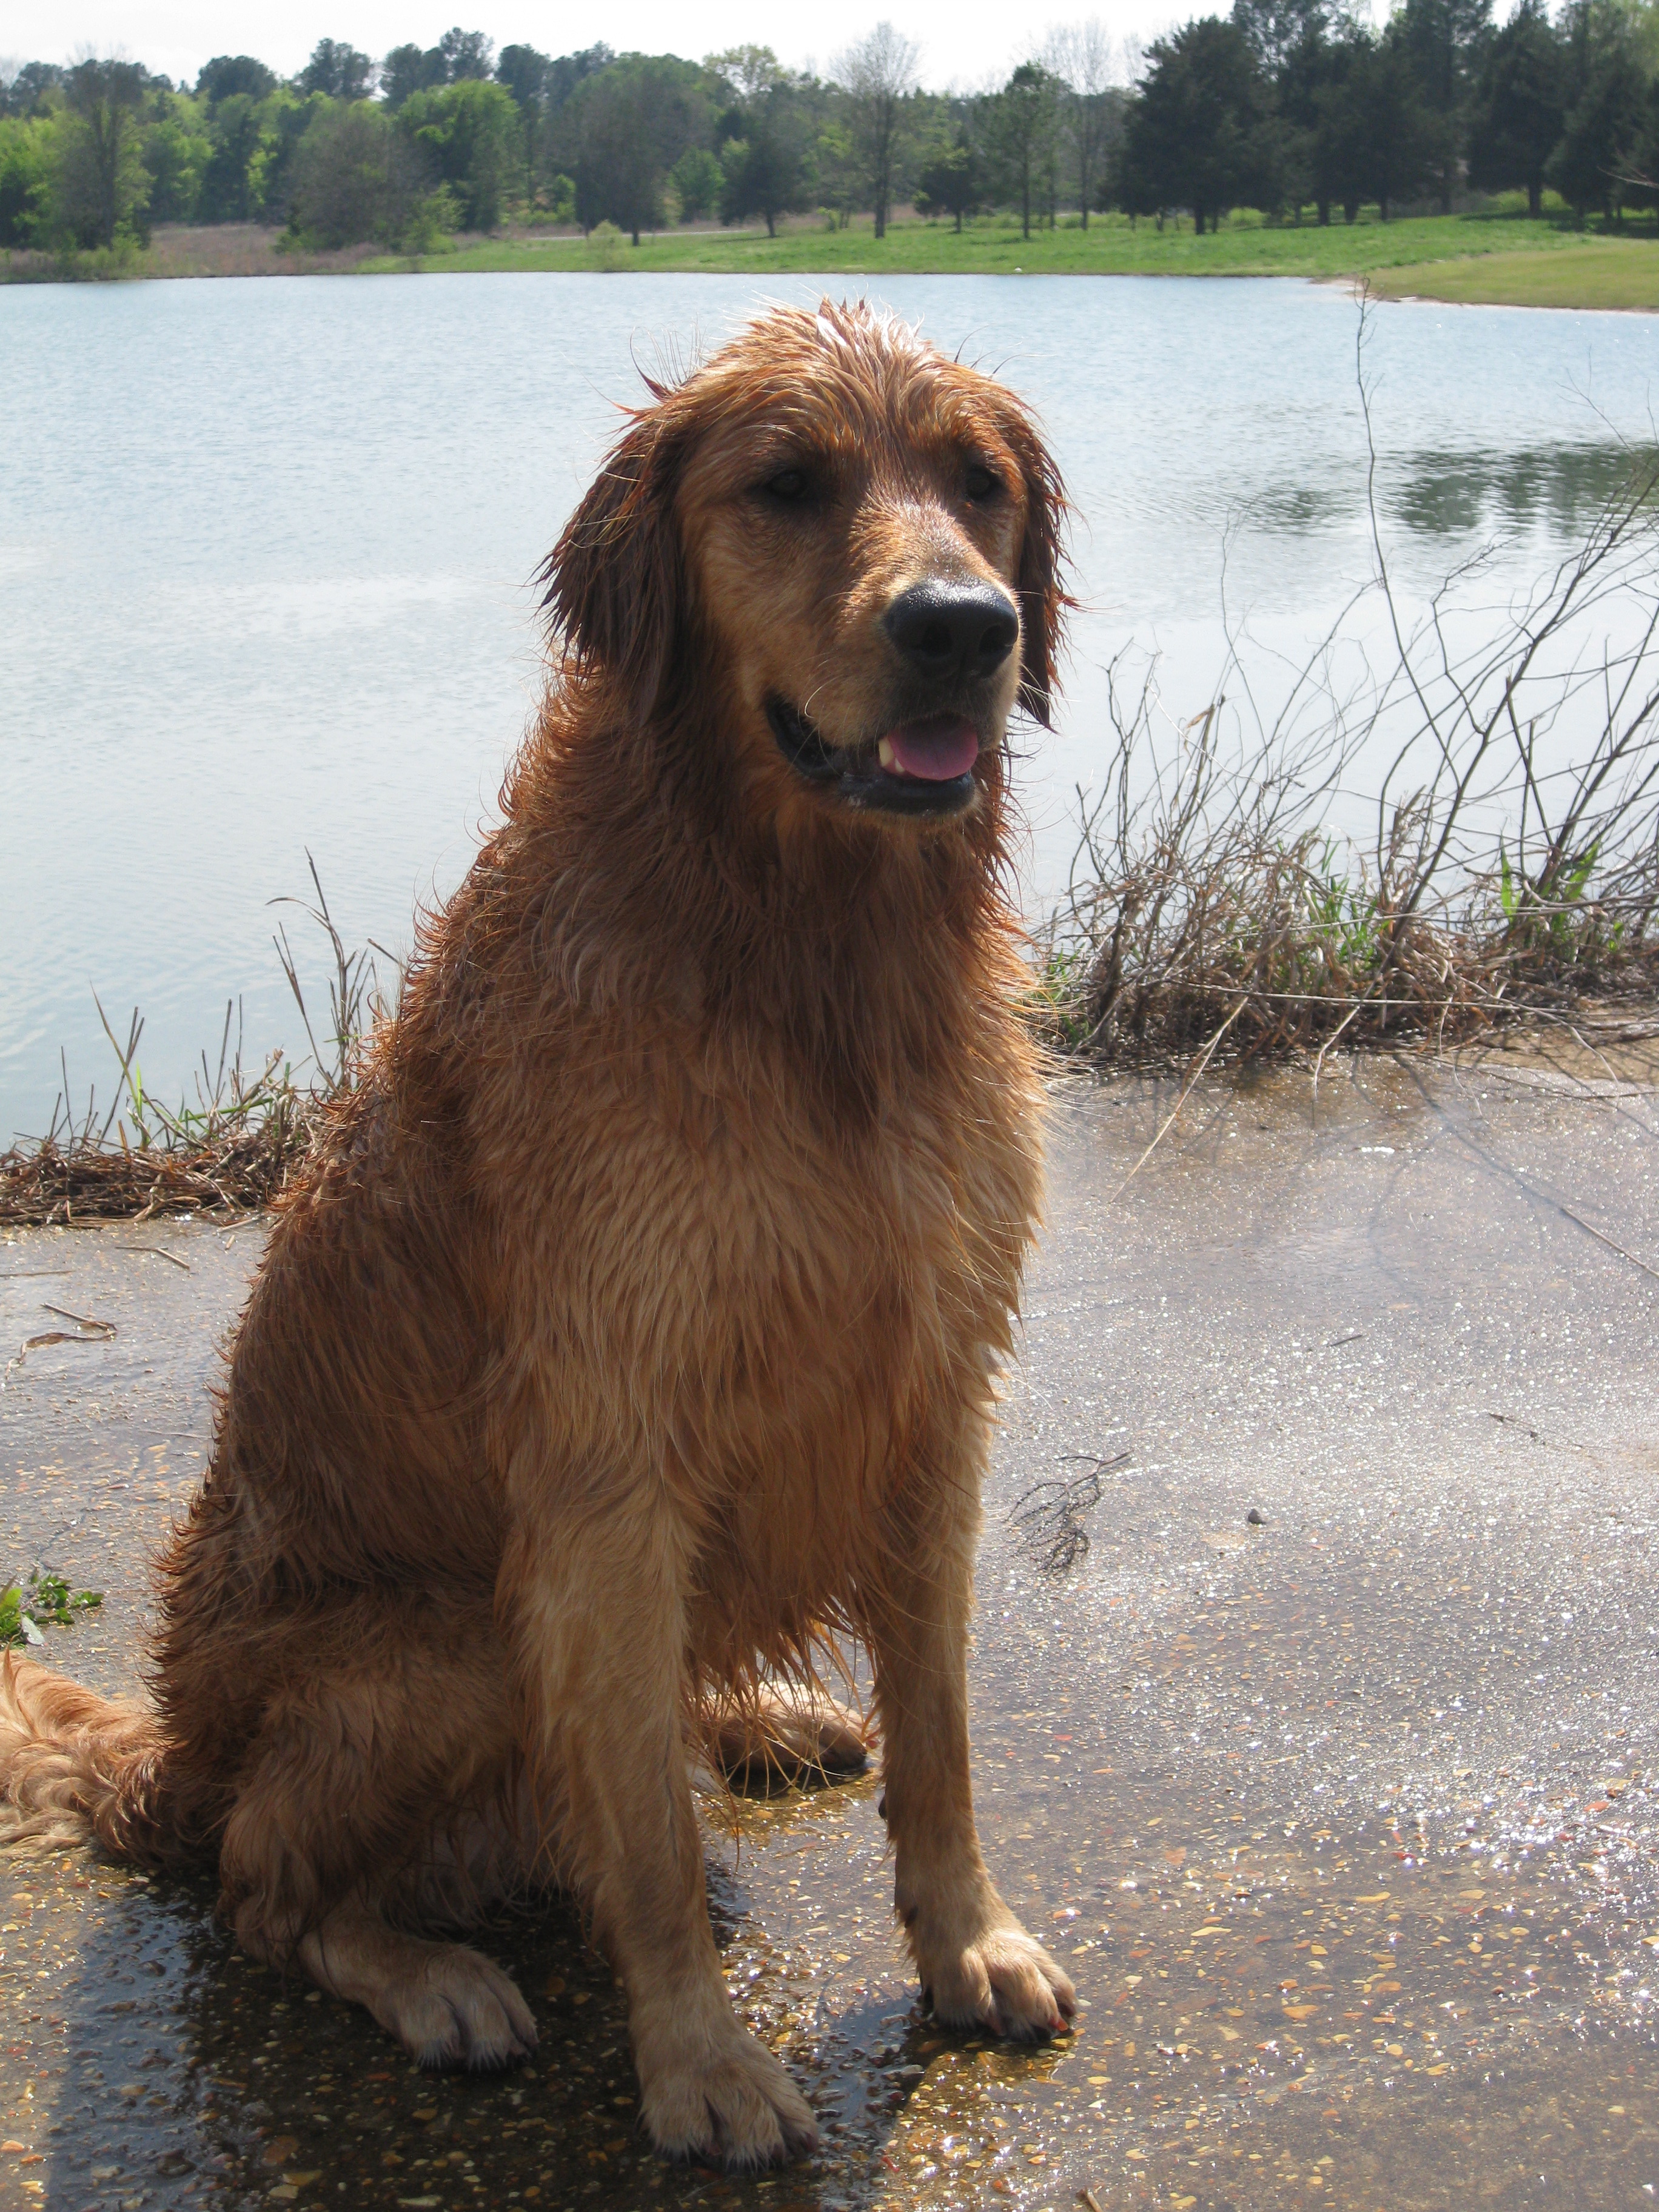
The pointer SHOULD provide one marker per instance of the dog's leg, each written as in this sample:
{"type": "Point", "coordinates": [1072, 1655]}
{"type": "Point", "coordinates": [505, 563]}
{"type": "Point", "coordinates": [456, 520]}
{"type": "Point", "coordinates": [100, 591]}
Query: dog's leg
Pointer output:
{"type": "Point", "coordinates": [342, 1803]}
{"type": "Point", "coordinates": [786, 1736]}
{"type": "Point", "coordinates": [595, 1609]}
{"type": "Point", "coordinates": [447, 2005]}
{"type": "Point", "coordinates": [979, 1964]}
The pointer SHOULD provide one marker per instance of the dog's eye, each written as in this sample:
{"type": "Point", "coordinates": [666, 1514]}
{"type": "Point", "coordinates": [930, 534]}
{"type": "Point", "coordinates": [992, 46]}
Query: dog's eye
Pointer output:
{"type": "Point", "coordinates": [979, 482]}
{"type": "Point", "coordinates": [789, 485]}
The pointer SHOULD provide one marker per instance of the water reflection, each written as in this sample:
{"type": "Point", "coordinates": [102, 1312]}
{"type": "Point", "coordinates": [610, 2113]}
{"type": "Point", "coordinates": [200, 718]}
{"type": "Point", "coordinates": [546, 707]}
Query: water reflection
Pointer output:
{"type": "Point", "coordinates": [1559, 489]}
{"type": "Point", "coordinates": [1453, 497]}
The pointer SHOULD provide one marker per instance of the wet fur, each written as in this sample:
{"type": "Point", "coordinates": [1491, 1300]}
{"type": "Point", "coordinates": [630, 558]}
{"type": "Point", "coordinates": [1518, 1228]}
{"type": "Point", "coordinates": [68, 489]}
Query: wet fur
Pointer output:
{"type": "Point", "coordinates": [635, 1324]}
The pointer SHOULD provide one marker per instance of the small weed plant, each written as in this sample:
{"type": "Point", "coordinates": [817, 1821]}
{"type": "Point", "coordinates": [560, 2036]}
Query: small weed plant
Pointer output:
{"type": "Point", "coordinates": [45, 1598]}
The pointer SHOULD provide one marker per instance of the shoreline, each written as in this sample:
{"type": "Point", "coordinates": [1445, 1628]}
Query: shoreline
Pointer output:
{"type": "Point", "coordinates": [1455, 260]}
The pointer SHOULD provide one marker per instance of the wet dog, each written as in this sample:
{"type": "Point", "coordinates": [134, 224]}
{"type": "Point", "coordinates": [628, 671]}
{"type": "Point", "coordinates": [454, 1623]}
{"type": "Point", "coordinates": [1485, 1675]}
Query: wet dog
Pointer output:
{"type": "Point", "coordinates": [633, 1327]}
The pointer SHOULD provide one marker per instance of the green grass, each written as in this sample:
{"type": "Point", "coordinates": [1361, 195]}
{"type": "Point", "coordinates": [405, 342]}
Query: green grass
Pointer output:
{"type": "Point", "coordinates": [1499, 256]}
{"type": "Point", "coordinates": [1584, 272]}
{"type": "Point", "coordinates": [1617, 272]}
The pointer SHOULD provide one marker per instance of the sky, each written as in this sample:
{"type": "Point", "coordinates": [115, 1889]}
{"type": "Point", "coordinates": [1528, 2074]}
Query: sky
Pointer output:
{"type": "Point", "coordinates": [964, 43]}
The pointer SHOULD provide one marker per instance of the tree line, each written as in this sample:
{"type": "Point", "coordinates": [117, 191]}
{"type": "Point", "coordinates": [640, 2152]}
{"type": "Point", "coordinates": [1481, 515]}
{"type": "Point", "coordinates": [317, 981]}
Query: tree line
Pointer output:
{"type": "Point", "coordinates": [1287, 107]}
{"type": "Point", "coordinates": [1289, 104]}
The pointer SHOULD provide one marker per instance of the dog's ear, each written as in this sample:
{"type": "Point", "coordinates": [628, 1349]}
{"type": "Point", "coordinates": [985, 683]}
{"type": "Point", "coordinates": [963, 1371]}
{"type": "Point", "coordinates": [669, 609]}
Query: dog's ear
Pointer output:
{"type": "Point", "coordinates": [1044, 602]}
{"type": "Point", "coordinates": [615, 580]}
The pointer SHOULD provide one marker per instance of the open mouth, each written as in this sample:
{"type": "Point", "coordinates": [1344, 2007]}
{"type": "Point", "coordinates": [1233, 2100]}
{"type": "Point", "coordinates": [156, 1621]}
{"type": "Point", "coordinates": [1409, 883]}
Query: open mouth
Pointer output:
{"type": "Point", "coordinates": [920, 767]}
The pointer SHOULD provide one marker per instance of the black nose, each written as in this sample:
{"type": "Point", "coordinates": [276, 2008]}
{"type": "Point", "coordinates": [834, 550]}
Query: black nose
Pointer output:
{"type": "Point", "coordinates": [953, 630]}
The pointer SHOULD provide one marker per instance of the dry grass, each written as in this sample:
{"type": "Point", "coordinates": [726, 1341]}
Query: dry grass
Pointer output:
{"type": "Point", "coordinates": [227, 1150]}
{"type": "Point", "coordinates": [228, 249]}
{"type": "Point", "coordinates": [242, 250]}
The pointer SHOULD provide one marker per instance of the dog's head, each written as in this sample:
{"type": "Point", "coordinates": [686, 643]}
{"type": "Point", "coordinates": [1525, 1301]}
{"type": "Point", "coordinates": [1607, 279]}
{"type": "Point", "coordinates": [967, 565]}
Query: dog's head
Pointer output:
{"type": "Point", "coordinates": [854, 539]}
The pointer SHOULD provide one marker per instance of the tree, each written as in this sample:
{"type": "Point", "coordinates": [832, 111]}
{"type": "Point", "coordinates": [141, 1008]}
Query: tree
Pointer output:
{"type": "Point", "coordinates": [229, 77]}
{"type": "Point", "coordinates": [177, 149]}
{"type": "Point", "coordinates": [1301, 49]}
{"type": "Point", "coordinates": [101, 185]}
{"type": "Point", "coordinates": [24, 92]}
{"type": "Point", "coordinates": [467, 55]}
{"type": "Point", "coordinates": [25, 181]}
{"type": "Point", "coordinates": [1395, 141]}
{"type": "Point", "coordinates": [1519, 107]}
{"type": "Point", "coordinates": [524, 71]}
{"type": "Point", "coordinates": [837, 169]}
{"type": "Point", "coordinates": [1326, 99]}
{"type": "Point", "coordinates": [339, 70]}
{"type": "Point", "coordinates": [633, 119]}
{"type": "Point", "coordinates": [567, 72]}
{"type": "Point", "coordinates": [878, 77]}
{"type": "Point", "coordinates": [1080, 58]}
{"type": "Point", "coordinates": [751, 72]}
{"type": "Point", "coordinates": [354, 176]}
{"type": "Point", "coordinates": [761, 175]}
{"type": "Point", "coordinates": [1603, 137]}
{"type": "Point", "coordinates": [1442, 40]}
{"type": "Point", "coordinates": [761, 162]}
{"type": "Point", "coordinates": [228, 190]}
{"type": "Point", "coordinates": [458, 57]}
{"type": "Point", "coordinates": [1278, 29]}
{"type": "Point", "coordinates": [468, 133]}
{"type": "Point", "coordinates": [697, 179]}
{"type": "Point", "coordinates": [1641, 184]}
{"type": "Point", "coordinates": [407, 70]}
{"type": "Point", "coordinates": [951, 176]}
{"type": "Point", "coordinates": [1023, 116]}
{"type": "Point", "coordinates": [1198, 130]}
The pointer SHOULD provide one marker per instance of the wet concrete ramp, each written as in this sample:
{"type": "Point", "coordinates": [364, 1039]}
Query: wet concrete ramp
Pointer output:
{"type": "Point", "coordinates": [1315, 1681]}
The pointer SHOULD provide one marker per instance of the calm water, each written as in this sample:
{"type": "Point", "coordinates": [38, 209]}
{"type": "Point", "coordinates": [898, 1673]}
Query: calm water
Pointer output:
{"type": "Point", "coordinates": [265, 552]}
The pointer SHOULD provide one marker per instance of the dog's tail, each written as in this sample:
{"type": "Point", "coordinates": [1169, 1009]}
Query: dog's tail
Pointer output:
{"type": "Point", "coordinates": [74, 1765]}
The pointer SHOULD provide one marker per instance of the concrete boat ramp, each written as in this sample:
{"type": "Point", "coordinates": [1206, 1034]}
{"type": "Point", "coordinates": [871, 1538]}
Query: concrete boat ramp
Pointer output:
{"type": "Point", "coordinates": [1317, 1686]}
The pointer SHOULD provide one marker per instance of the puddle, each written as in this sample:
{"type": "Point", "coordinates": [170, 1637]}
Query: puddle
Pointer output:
{"type": "Point", "coordinates": [1342, 1817]}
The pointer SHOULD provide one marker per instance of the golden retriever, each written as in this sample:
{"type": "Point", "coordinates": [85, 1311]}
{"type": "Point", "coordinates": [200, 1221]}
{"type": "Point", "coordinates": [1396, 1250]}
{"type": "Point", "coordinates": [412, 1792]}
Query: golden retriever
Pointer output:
{"type": "Point", "coordinates": [634, 1329]}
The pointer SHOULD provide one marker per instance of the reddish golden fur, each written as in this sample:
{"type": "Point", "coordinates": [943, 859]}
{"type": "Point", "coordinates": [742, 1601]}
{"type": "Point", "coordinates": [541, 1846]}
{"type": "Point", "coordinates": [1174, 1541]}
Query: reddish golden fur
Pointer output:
{"type": "Point", "coordinates": [636, 1324]}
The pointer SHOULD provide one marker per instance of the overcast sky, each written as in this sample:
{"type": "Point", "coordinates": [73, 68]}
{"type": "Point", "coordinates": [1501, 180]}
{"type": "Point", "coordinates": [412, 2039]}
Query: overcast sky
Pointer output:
{"type": "Point", "coordinates": [963, 42]}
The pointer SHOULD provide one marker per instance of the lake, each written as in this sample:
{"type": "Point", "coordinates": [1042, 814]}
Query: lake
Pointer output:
{"type": "Point", "coordinates": [266, 552]}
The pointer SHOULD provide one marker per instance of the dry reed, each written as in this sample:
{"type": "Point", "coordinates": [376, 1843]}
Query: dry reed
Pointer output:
{"type": "Point", "coordinates": [1514, 862]}
{"type": "Point", "coordinates": [231, 1148]}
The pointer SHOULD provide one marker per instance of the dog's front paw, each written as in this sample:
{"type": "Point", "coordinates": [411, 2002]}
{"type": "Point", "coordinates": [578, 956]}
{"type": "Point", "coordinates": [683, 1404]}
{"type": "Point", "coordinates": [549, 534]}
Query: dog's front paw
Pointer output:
{"type": "Point", "coordinates": [733, 2105]}
{"type": "Point", "coordinates": [450, 2008]}
{"type": "Point", "coordinates": [1003, 1980]}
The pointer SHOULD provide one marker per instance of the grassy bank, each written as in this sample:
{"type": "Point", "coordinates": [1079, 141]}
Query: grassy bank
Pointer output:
{"type": "Point", "coordinates": [1504, 259]}
{"type": "Point", "coordinates": [1581, 272]}
{"type": "Point", "coordinates": [1111, 245]}
{"type": "Point", "coordinates": [1498, 257]}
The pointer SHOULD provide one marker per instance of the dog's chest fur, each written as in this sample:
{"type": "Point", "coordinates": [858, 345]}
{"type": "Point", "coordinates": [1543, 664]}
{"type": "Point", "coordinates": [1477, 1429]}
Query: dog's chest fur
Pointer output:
{"type": "Point", "coordinates": [763, 1289]}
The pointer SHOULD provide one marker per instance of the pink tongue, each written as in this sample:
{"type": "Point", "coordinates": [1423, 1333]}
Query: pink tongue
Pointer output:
{"type": "Point", "coordinates": [934, 750]}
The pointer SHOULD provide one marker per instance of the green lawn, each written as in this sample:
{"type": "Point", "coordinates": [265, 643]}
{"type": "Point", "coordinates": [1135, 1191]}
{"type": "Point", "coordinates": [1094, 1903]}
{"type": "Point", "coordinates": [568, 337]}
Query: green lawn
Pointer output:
{"type": "Point", "coordinates": [1503, 258]}
{"type": "Point", "coordinates": [1586, 272]}
{"type": "Point", "coordinates": [1499, 258]}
